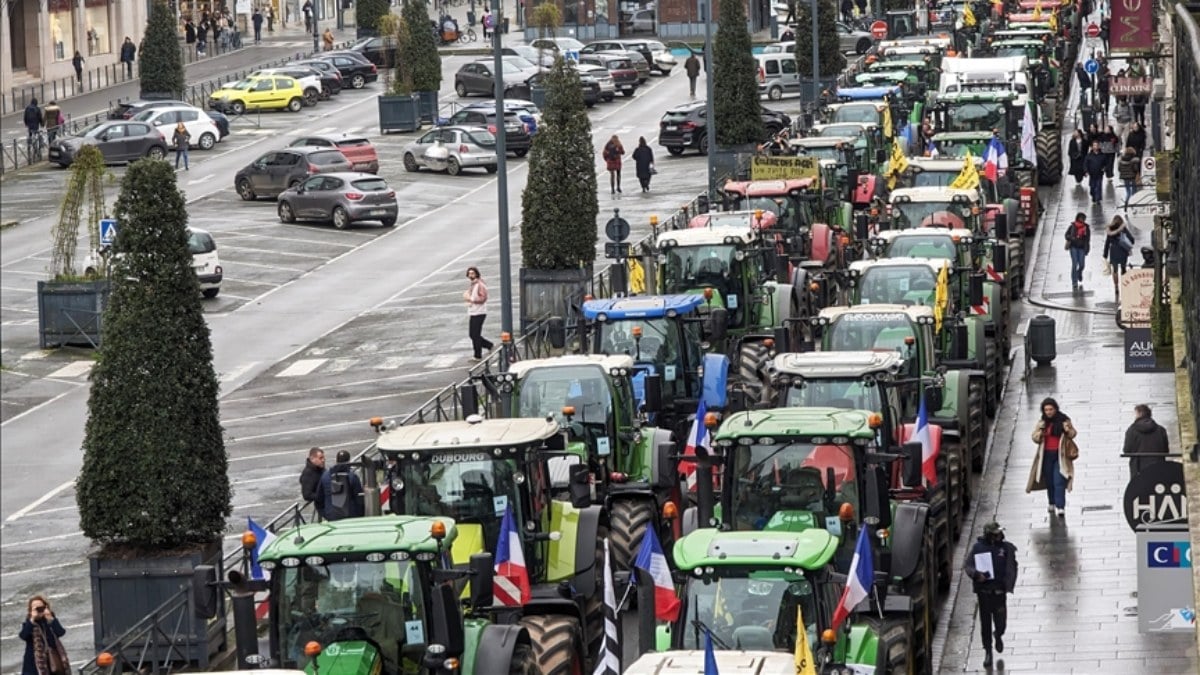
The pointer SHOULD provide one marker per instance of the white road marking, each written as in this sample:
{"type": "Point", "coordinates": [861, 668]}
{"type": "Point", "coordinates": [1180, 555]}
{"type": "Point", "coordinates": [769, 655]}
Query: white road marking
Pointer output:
{"type": "Point", "coordinates": [262, 480]}
{"type": "Point", "coordinates": [228, 247]}
{"type": "Point", "coordinates": [251, 282]}
{"type": "Point", "coordinates": [202, 180]}
{"type": "Point", "coordinates": [443, 361]}
{"type": "Point", "coordinates": [15, 289]}
{"type": "Point", "coordinates": [54, 510]}
{"type": "Point", "coordinates": [301, 367]}
{"type": "Point", "coordinates": [340, 365]}
{"type": "Point", "coordinates": [40, 540]}
{"type": "Point", "coordinates": [280, 268]}
{"type": "Point", "coordinates": [35, 408]}
{"type": "Point", "coordinates": [43, 568]}
{"type": "Point", "coordinates": [238, 371]}
{"type": "Point", "coordinates": [36, 354]}
{"type": "Point", "coordinates": [319, 351]}
{"type": "Point", "coordinates": [391, 362]}
{"type": "Point", "coordinates": [40, 500]}
{"type": "Point", "coordinates": [331, 387]}
{"type": "Point", "coordinates": [75, 369]}
{"type": "Point", "coordinates": [319, 406]}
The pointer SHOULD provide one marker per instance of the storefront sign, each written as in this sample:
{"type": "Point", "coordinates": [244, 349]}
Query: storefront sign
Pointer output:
{"type": "Point", "coordinates": [59, 6]}
{"type": "Point", "coordinates": [1137, 294]}
{"type": "Point", "coordinates": [1156, 497]}
{"type": "Point", "coordinates": [1140, 354]}
{"type": "Point", "coordinates": [1165, 590]}
{"type": "Point", "coordinates": [783, 168]}
{"type": "Point", "coordinates": [1132, 26]}
{"type": "Point", "coordinates": [1121, 86]}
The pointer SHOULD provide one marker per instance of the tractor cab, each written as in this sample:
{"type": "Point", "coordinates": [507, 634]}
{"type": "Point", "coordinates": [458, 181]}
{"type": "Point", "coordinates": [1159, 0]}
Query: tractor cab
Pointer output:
{"type": "Point", "coordinates": [888, 50]}
{"type": "Point", "coordinates": [934, 243]}
{"type": "Point", "coordinates": [789, 204]}
{"type": "Point", "coordinates": [935, 207]}
{"type": "Point", "coordinates": [866, 111]}
{"type": "Point", "coordinates": [905, 329]}
{"type": "Point", "coordinates": [867, 380]}
{"type": "Point", "coordinates": [991, 75]}
{"type": "Point", "coordinates": [901, 23]}
{"type": "Point", "coordinates": [724, 264]}
{"type": "Point", "coordinates": [844, 165]}
{"type": "Point", "coordinates": [979, 113]}
{"type": "Point", "coordinates": [921, 69]}
{"type": "Point", "coordinates": [894, 281]}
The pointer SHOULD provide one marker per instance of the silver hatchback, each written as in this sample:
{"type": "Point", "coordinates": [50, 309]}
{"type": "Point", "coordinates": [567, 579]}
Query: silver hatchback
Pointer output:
{"type": "Point", "coordinates": [452, 149]}
{"type": "Point", "coordinates": [340, 198]}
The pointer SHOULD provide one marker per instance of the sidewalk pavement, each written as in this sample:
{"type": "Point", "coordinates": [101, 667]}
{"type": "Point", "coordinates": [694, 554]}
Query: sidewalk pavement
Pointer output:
{"type": "Point", "coordinates": [1075, 606]}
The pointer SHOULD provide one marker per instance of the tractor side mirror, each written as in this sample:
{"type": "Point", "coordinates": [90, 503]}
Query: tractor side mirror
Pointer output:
{"type": "Point", "coordinates": [910, 468]}
{"type": "Point", "coordinates": [580, 489]}
{"type": "Point", "coordinates": [961, 335]}
{"type": "Point", "coordinates": [654, 396]}
{"type": "Point", "coordinates": [1002, 226]}
{"type": "Point", "coordinates": [862, 227]}
{"type": "Point", "coordinates": [446, 629]}
{"type": "Point", "coordinates": [468, 398]}
{"type": "Point", "coordinates": [204, 591]}
{"type": "Point", "coordinates": [718, 320]}
{"type": "Point", "coordinates": [933, 397]}
{"type": "Point", "coordinates": [1000, 258]}
{"type": "Point", "coordinates": [975, 289]}
{"type": "Point", "coordinates": [782, 268]}
{"type": "Point", "coordinates": [482, 573]}
{"type": "Point", "coordinates": [877, 503]}
{"type": "Point", "coordinates": [783, 343]}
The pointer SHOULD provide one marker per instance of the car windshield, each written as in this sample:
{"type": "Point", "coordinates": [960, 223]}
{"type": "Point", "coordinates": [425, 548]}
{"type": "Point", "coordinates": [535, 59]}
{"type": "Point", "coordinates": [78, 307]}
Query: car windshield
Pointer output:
{"type": "Point", "coordinates": [866, 331]}
{"type": "Point", "coordinates": [241, 85]}
{"type": "Point", "coordinates": [468, 486]}
{"type": "Point", "coordinates": [848, 394]}
{"type": "Point", "coordinates": [200, 242]}
{"type": "Point", "coordinates": [545, 391]}
{"type": "Point", "coordinates": [94, 130]}
{"type": "Point", "coordinates": [326, 157]}
{"type": "Point", "coordinates": [976, 117]}
{"type": "Point", "coordinates": [906, 215]}
{"type": "Point", "coordinates": [756, 612]}
{"type": "Point", "coordinates": [690, 266]}
{"type": "Point", "coordinates": [935, 246]}
{"type": "Point", "coordinates": [767, 481]}
{"type": "Point", "coordinates": [569, 43]}
{"type": "Point", "coordinates": [900, 285]}
{"type": "Point", "coordinates": [353, 143]}
{"type": "Point", "coordinates": [380, 602]}
{"type": "Point", "coordinates": [145, 115]}
{"type": "Point", "coordinates": [370, 184]}
{"type": "Point", "coordinates": [864, 113]}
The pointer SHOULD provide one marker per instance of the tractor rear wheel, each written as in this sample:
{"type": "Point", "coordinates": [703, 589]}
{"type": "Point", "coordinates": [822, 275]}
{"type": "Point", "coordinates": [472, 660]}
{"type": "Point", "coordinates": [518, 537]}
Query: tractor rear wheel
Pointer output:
{"type": "Point", "coordinates": [752, 359]}
{"type": "Point", "coordinates": [523, 661]}
{"type": "Point", "coordinates": [556, 644]}
{"type": "Point", "coordinates": [628, 520]}
{"type": "Point", "coordinates": [1049, 157]}
{"type": "Point", "coordinates": [895, 655]}
{"type": "Point", "coordinates": [939, 524]}
{"type": "Point", "coordinates": [975, 417]}
{"type": "Point", "coordinates": [954, 487]}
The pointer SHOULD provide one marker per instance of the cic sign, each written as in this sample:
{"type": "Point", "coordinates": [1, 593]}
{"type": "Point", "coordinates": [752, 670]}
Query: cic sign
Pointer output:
{"type": "Point", "coordinates": [1132, 26]}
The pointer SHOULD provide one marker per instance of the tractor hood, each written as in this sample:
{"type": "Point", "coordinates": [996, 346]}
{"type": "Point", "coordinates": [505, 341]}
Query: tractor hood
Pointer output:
{"type": "Point", "coordinates": [728, 663]}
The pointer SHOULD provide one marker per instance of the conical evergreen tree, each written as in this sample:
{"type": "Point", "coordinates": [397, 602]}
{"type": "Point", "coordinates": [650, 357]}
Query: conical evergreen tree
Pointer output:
{"type": "Point", "coordinates": [558, 206]}
{"type": "Point", "coordinates": [833, 62]}
{"type": "Point", "coordinates": [370, 12]}
{"type": "Point", "coordinates": [160, 63]}
{"type": "Point", "coordinates": [735, 90]}
{"type": "Point", "coordinates": [154, 463]}
{"type": "Point", "coordinates": [421, 52]}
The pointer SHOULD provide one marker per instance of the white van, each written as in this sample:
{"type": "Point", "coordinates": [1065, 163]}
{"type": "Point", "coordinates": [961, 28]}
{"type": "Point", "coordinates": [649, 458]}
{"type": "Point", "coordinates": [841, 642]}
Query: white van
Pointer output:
{"type": "Point", "coordinates": [777, 74]}
{"type": "Point", "coordinates": [205, 262]}
{"type": "Point", "coordinates": [1005, 73]}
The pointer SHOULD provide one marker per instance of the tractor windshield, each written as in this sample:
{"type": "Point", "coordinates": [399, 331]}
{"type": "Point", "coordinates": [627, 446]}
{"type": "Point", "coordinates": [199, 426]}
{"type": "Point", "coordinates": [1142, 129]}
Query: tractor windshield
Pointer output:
{"type": "Point", "coordinates": [830, 152]}
{"type": "Point", "coordinates": [934, 246]}
{"type": "Point", "coordinates": [848, 394]}
{"type": "Point", "coordinates": [767, 480]}
{"type": "Point", "coordinates": [857, 332]}
{"type": "Point", "coordinates": [907, 215]}
{"type": "Point", "coordinates": [859, 113]}
{"type": "Point", "coordinates": [659, 344]}
{"type": "Point", "coordinates": [545, 391]}
{"type": "Point", "coordinates": [357, 608]}
{"type": "Point", "coordinates": [935, 178]}
{"type": "Point", "coordinates": [792, 213]}
{"type": "Point", "coordinates": [692, 267]}
{"type": "Point", "coordinates": [855, 131]}
{"type": "Point", "coordinates": [756, 612]}
{"type": "Point", "coordinates": [470, 487]}
{"type": "Point", "coordinates": [977, 117]}
{"type": "Point", "coordinates": [901, 285]}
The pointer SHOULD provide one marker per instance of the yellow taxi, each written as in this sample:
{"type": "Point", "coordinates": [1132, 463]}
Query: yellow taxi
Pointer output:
{"type": "Point", "coordinates": [260, 92]}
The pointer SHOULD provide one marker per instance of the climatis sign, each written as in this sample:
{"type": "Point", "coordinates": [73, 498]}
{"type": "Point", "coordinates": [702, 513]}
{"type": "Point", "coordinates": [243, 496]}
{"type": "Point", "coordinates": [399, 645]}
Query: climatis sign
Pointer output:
{"type": "Point", "coordinates": [1132, 25]}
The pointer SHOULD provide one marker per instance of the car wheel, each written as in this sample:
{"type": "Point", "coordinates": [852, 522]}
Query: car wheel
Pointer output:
{"type": "Point", "coordinates": [245, 190]}
{"type": "Point", "coordinates": [286, 215]}
{"type": "Point", "coordinates": [522, 152]}
{"type": "Point", "coordinates": [341, 219]}
{"type": "Point", "coordinates": [862, 45]}
{"type": "Point", "coordinates": [410, 163]}
{"type": "Point", "coordinates": [156, 152]}
{"type": "Point", "coordinates": [358, 82]}
{"type": "Point", "coordinates": [628, 93]}
{"type": "Point", "coordinates": [590, 104]}
{"type": "Point", "coordinates": [453, 167]}
{"type": "Point", "coordinates": [295, 104]}
{"type": "Point", "coordinates": [491, 168]}
{"type": "Point", "coordinates": [775, 93]}
{"type": "Point", "coordinates": [210, 292]}
{"type": "Point", "coordinates": [704, 144]}
{"type": "Point", "coordinates": [237, 108]}
{"type": "Point", "coordinates": [460, 89]}
{"type": "Point", "coordinates": [388, 222]}
{"type": "Point", "coordinates": [311, 96]}
{"type": "Point", "coordinates": [675, 150]}
{"type": "Point", "coordinates": [207, 141]}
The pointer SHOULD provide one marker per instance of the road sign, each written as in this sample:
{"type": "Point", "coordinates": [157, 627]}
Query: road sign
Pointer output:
{"type": "Point", "coordinates": [879, 30]}
{"type": "Point", "coordinates": [617, 228]}
{"type": "Point", "coordinates": [1092, 66]}
{"type": "Point", "coordinates": [1093, 31]}
{"type": "Point", "coordinates": [108, 231]}
{"type": "Point", "coordinates": [616, 250]}
{"type": "Point", "coordinates": [571, 55]}
{"type": "Point", "coordinates": [1148, 165]}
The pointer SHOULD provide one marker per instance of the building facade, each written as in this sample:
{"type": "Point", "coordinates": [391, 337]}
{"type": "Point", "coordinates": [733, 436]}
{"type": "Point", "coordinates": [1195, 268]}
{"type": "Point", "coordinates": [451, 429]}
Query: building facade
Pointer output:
{"type": "Point", "coordinates": [42, 36]}
{"type": "Point", "coordinates": [667, 19]}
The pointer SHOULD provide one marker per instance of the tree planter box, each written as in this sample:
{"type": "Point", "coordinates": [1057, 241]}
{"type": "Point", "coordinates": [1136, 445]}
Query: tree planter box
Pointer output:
{"type": "Point", "coordinates": [537, 94]}
{"type": "Point", "coordinates": [551, 293]}
{"type": "Point", "coordinates": [126, 590]}
{"type": "Point", "coordinates": [823, 84]}
{"type": "Point", "coordinates": [732, 163]}
{"type": "Point", "coordinates": [427, 105]}
{"type": "Point", "coordinates": [399, 113]}
{"type": "Point", "coordinates": [70, 312]}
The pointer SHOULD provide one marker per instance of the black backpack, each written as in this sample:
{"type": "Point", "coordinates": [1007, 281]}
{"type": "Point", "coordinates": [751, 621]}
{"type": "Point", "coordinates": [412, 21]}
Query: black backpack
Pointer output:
{"type": "Point", "coordinates": [339, 496]}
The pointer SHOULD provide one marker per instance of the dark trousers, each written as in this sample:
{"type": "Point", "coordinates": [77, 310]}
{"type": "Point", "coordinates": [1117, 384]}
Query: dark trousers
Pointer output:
{"type": "Point", "coordinates": [129, 68]}
{"type": "Point", "coordinates": [1096, 185]}
{"type": "Point", "coordinates": [258, 33]}
{"type": "Point", "coordinates": [475, 330]}
{"type": "Point", "coordinates": [692, 85]}
{"type": "Point", "coordinates": [993, 615]}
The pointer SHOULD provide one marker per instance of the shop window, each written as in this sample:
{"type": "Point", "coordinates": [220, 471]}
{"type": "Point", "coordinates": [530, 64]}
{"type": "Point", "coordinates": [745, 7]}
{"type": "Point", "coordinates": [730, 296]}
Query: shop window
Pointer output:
{"type": "Point", "coordinates": [95, 19]}
{"type": "Point", "coordinates": [571, 12]}
{"type": "Point", "coordinates": [62, 30]}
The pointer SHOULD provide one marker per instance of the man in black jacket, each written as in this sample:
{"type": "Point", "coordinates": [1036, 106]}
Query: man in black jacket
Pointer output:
{"type": "Point", "coordinates": [1145, 437]}
{"type": "Point", "coordinates": [1095, 164]}
{"type": "Point", "coordinates": [128, 54]}
{"type": "Point", "coordinates": [341, 493]}
{"type": "Point", "coordinates": [310, 478]}
{"type": "Point", "coordinates": [33, 124]}
{"type": "Point", "coordinates": [992, 586]}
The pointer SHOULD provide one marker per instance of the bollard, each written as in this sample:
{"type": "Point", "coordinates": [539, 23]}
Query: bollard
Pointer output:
{"type": "Point", "coordinates": [646, 624]}
{"type": "Point", "coordinates": [244, 627]}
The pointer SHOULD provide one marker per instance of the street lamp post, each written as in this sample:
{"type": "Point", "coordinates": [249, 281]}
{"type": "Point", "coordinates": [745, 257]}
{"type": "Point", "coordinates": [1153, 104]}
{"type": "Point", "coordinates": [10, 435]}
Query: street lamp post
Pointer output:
{"type": "Point", "coordinates": [816, 59]}
{"type": "Point", "coordinates": [316, 35]}
{"type": "Point", "coordinates": [710, 127]}
{"type": "Point", "coordinates": [506, 299]}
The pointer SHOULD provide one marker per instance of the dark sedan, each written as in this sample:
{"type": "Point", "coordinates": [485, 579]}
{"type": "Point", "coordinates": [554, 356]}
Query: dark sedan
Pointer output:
{"type": "Point", "coordinates": [279, 170]}
{"type": "Point", "coordinates": [327, 70]}
{"type": "Point", "coordinates": [377, 50]}
{"type": "Point", "coordinates": [117, 140]}
{"type": "Point", "coordinates": [685, 126]}
{"type": "Point", "coordinates": [355, 69]}
{"type": "Point", "coordinates": [588, 84]}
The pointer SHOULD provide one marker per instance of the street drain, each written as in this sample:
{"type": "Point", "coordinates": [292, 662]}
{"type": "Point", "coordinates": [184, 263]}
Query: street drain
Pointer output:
{"type": "Point", "coordinates": [1097, 507]}
{"type": "Point", "coordinates": [1131, 611]}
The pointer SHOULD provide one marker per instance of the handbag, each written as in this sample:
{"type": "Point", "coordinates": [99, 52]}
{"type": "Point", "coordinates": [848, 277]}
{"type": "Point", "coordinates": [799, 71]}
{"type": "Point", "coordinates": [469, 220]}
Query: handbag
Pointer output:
{"type": "Point", "coordinates": [1072, 451]}
{"type": "Point", "coordinates": [653, 170]}
{"type": "Point", "coordinates": [55, 662]}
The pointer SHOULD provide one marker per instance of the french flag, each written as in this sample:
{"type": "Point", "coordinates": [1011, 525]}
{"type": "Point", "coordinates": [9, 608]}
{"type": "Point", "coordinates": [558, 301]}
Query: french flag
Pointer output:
{"type": "Point", "coordinates": [995, 160]}
{"type": "Point", "coordinates": [697, 438]}
{"type": "Point", "coordinates": [264, 537]}
{"type": "Point", "coordinates": [651, 560]}
{"type": "Point", "coordinates": [859, 581]}
{"type": "Point", "coordinates": [511, 583]}
{"type": "Point", "coordinates": [928, 467]}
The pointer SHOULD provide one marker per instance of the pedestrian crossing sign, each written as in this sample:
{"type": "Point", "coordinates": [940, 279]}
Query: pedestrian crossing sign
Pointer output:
{"type": "Point", "coordinates": [108, 231]}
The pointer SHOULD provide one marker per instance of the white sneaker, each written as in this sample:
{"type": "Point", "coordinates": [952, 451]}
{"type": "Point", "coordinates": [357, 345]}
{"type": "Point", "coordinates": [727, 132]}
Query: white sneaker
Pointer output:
{"type": "Point", "coordinates": [1050, 509]}
{"type": "Point", "coordinates": [1060, 513]}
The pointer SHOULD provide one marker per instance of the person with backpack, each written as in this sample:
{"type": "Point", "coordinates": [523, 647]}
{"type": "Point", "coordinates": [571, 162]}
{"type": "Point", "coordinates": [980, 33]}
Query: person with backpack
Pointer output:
{"type": "Point", "coordinates": [33, 125]}
{"type": "Point", "coordinates": [1118, 244]}
{"type": "Point", "coordinates": [341, 490]}
{"type": "Point", "coordinates": [1079, 242]}
{"type": "Point", "coordinates": [488, 24]}
{"type": "Point", "coordinates": [1129, 169]}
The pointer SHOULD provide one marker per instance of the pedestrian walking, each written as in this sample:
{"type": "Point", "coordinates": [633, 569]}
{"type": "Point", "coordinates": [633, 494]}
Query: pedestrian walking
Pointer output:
{"type": "Point", "coordinates": [487, 24]}
{"type": "Point", "coordinates": [791, 13]}
{"type": "Point", "coordinates": [992, 566]}
{"type": "Point", "coordinates": [327, 40]}
{"type": "Point", "coordinates": [308, 15]}
{"type": "Point", "coordinates": [77, 62]}
{"type": "Point", "coordinates": [1094, 164]}
{"type": "Point", "coordinates": [257, 19]}
{"type": "Point", "coordinates": [643, 161]}
{"type": "Point", "coordinates": [202, 40]}
{"type": "Point", "coordinates": [1102, 88]}
{"type": "Point", "coordinates": [1110, 145]}
{"type": "Point", "coordinates": [310, 478]}
{"type": "Point", "coordinates": [128, 52]}
{"type": "Point", "coordinates": [1145, 437]}
{"type": "Point", "coordinates": [189, 32]}
{"type": "Point", "coordinates": [1129, 170]}
{"type": "Point", "coordinates": [1079, 243]}
{"type": "Point", "coordinates": [181, 138]}
{"type": "Point", "coordinates": [692, 67]}
{"type": "Point", "coordinates": [41, 632]}
{"type": "Point", "coordinates": [1076, 151]}
{"type": "Point", "coordinates": [1136, 139]}
{"type": "Point", "coordinates": [612, 153]}
{"type": "Point", "coordinates": [52, 119]}
{"type": "Point", "coordinates": [1053, 467]}
{"type": "Point", "coordinates": [847, 8]}
{"type": "Point", "coordinates": [476, 297]}
{"type": "Point", "coordinates": [1118, 244]}
{"type": "Point", "coordinates": [340, 490]}
{"type": "Point", "coordinates": [1105, 28]}
{"type": "Point", "coordinates": [33, 126]}
{"type": "Point", "coordinates": [1085, 81]}
{"type": "Point", "coordinates": [270, 19]}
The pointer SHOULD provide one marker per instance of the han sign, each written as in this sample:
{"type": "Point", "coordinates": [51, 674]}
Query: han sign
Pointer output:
{"type": "Point", "coordinates": [1132, 26]}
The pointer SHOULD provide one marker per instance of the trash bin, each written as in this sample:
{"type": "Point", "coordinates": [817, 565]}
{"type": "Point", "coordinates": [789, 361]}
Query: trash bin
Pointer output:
{"type": "Point", "coordinates": [504, 26]}
{"type": "Point", "coordinates": [1040, 340]}
{"type": "Point", "coordinates": [471, 18]}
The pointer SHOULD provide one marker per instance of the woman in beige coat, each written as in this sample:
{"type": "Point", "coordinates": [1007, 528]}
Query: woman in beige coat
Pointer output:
{"type": "Point", "coordinates": [1053, 467]}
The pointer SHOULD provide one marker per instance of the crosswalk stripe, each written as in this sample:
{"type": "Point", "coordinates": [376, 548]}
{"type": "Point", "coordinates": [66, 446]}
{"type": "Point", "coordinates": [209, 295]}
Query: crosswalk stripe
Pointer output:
{"type": "Point", "coordinates": [301, 367]}
{"type": "Point", "coordinates": [339, 365]}
{"type": "Point", "coordinates": [443, 361]}
{"type": "Point", "coordinates": [34, 355]}
{"type": "Point", "coordinates": [237, 372]}
{"type": "Point", "coordinates": [392, 362]}
{"type": "Point", "coordinates": [73, 369]}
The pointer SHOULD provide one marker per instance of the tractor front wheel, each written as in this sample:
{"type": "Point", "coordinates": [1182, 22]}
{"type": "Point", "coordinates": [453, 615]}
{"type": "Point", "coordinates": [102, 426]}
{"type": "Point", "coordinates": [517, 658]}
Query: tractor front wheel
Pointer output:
{"type": "Point", "coordinates": [752, 358]}
{"type": "Point", "coordinates": [557, 647]}
{"type": "Point", "coordinates": [628, 519]}
{"type": "Point", "coordinates": [895, 655]}
{"type": "Point", "coordinates": [976, 418]}
{"type": "Point", "coordinates": [1049, 157]}
{"type": "Point", "coordinates": [523, 661]}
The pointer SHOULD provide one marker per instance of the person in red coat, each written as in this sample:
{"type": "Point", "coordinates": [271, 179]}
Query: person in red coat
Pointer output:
{"type": "Point", "coordinates": [613, 152]}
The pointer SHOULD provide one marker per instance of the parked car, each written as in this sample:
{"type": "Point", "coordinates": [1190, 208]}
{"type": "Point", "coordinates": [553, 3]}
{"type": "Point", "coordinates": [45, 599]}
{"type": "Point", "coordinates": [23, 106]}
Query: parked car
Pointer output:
{"type": "Point", "coordinates": [341, 198]}
{"type": "Point", "coordinates": [656, 54]}
{"type": "Point", "coordinates": [126, 110]}
{"type": "Point", "coordinates": [604, 79]}
{"type": "Point", "coordinates": [477, 78]}
{"type": "Point", "coordinates": [643, 21]}
{"type": "Point", "coordinates": [331, 77]}
{"type": "Point", "coordinates": [529, 114]}
{"type": "Point", "coordinates": [309, 79]}
{"type": "Point", "coordinates": [569, 47]}
{"type": "Point", "coordinates": [777, 75]}
{"type": "Point", "coordinates": [200, 127]}
{"type": "Point", "coordinates": [588, 84]}
{"type": "Point", "coordinates": [516, 138]}
{"type": "Point", "coordinates": [220, 120]}
{"type": "Point", "coordinates": [853, 39]}
{"type": "Point", "coordinates": [377, 50]}
{"type": "Point", "coordinates": [117, 140]}
{"type": "Point", "coordinates": [623, 72]}
{"type": "Point", "coordinates": [269, 92]}
{"type": "Point", "coordinates": [466, 147]}
{"type": "Point", "coordinates": [684, 127]}
{"type": "Point", "coordinates": [541, 57]}
{"type": "Point", "coordinates": [205, 262]}
{"type": "Point", "coordinates": [354, 67]}
{"type": "Point", "coordinates": [357, 149]}
{"type": "Point", "coordinates": [640, 64]}
{"type": "Point", "coordinates": [278, 170]}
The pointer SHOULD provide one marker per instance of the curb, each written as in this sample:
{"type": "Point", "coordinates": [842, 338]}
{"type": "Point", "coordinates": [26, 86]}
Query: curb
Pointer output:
{"type": "Point", "coordinates": [4, 225]}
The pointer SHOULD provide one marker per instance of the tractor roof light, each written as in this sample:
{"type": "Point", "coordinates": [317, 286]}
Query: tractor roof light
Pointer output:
{"type": "Point", "coordinates": [376, 423]}
{"type": "Point", "coordinates": [104, 660]}
{"type": "Point", "coordinates": [883, 534]}
{"type": "Point", "coordinates": [437, 530]}
{"type": "Point", "coordinates": [636, 331]}
{"type": "Point", "coordinates": [506, 337]}
{"type": "Point", "coordinates": [670, 511]}
{"type": "Point", "coordinates": [846, 511]}
{"type": "Point", "coordinates": [910, 340]}
{"type": "Point", "coordinates": [829, 636]}
{"type": "Point", "coordinates": [708, 294]}
{"type": "Point", "coordinates": [814, 286]}
{"type": "Point", "coordinates": [769, 343]}
{"type": "Point", "coordinates": [568, 410]}
{"type": "Point", "coordinates": [618, 477]}
{"type": "Point", "coordinates": [249, 540]}
{"type": "Point", "coordinates": [312, 649]}
{"type": "Point", "coordinates": [653, 221]}
{"type": "Point", "coordinates": [450, 664]}
{"type": "Point", "coordinates": [875, 420]}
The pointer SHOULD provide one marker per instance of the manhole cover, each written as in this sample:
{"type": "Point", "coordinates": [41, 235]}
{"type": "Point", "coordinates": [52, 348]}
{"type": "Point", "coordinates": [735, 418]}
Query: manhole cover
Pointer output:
{"type": "Point", "coordinates": [1097, 507]}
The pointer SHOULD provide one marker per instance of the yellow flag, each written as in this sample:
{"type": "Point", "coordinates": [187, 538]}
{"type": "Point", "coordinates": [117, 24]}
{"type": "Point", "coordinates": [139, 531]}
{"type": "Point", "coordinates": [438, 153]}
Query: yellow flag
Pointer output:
{"type": "Point", "coordinates": [1037, 11]}
{"type": "Point", "coordinates": [637, 276]}
{"type": "Point", "coordinates": [968, 16]}
{"type": "Point", "coordinates": [804, 656]}
{"type": "Point", "coordinates": [1054, 21]}
{"type": "Point", "coordinates": [897, 164]}
{"type": "Point", "coordinates": [968, 178]}
{"type": "Point", "coordinates": [941, 297]}
{"type": "Point", "coordinates": [887, 119]}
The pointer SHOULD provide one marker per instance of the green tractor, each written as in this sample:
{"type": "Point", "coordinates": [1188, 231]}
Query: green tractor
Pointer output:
{"type": "Point", "coordinates": [748, 589]}
{"type": "Point", "coordinates": [1019, 205]}
{"type": "Point", "coordinates": [851, 165]}
{"type": "Point", "coordinates": [375, 595]}
{"type": "Point", "coordinates": [476, 470]}
{"type": "Point", "coordinates": [970, 120]}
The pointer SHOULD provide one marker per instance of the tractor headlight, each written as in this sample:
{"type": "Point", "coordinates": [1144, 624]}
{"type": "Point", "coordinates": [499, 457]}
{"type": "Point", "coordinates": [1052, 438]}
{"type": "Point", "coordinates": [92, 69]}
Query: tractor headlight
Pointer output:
{"type": "Point", "coordinates": [397, 484]}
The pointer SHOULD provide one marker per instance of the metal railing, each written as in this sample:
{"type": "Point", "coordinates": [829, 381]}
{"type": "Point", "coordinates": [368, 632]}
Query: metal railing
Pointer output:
{"type": "Point", "coordinates": [1185, 198]}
